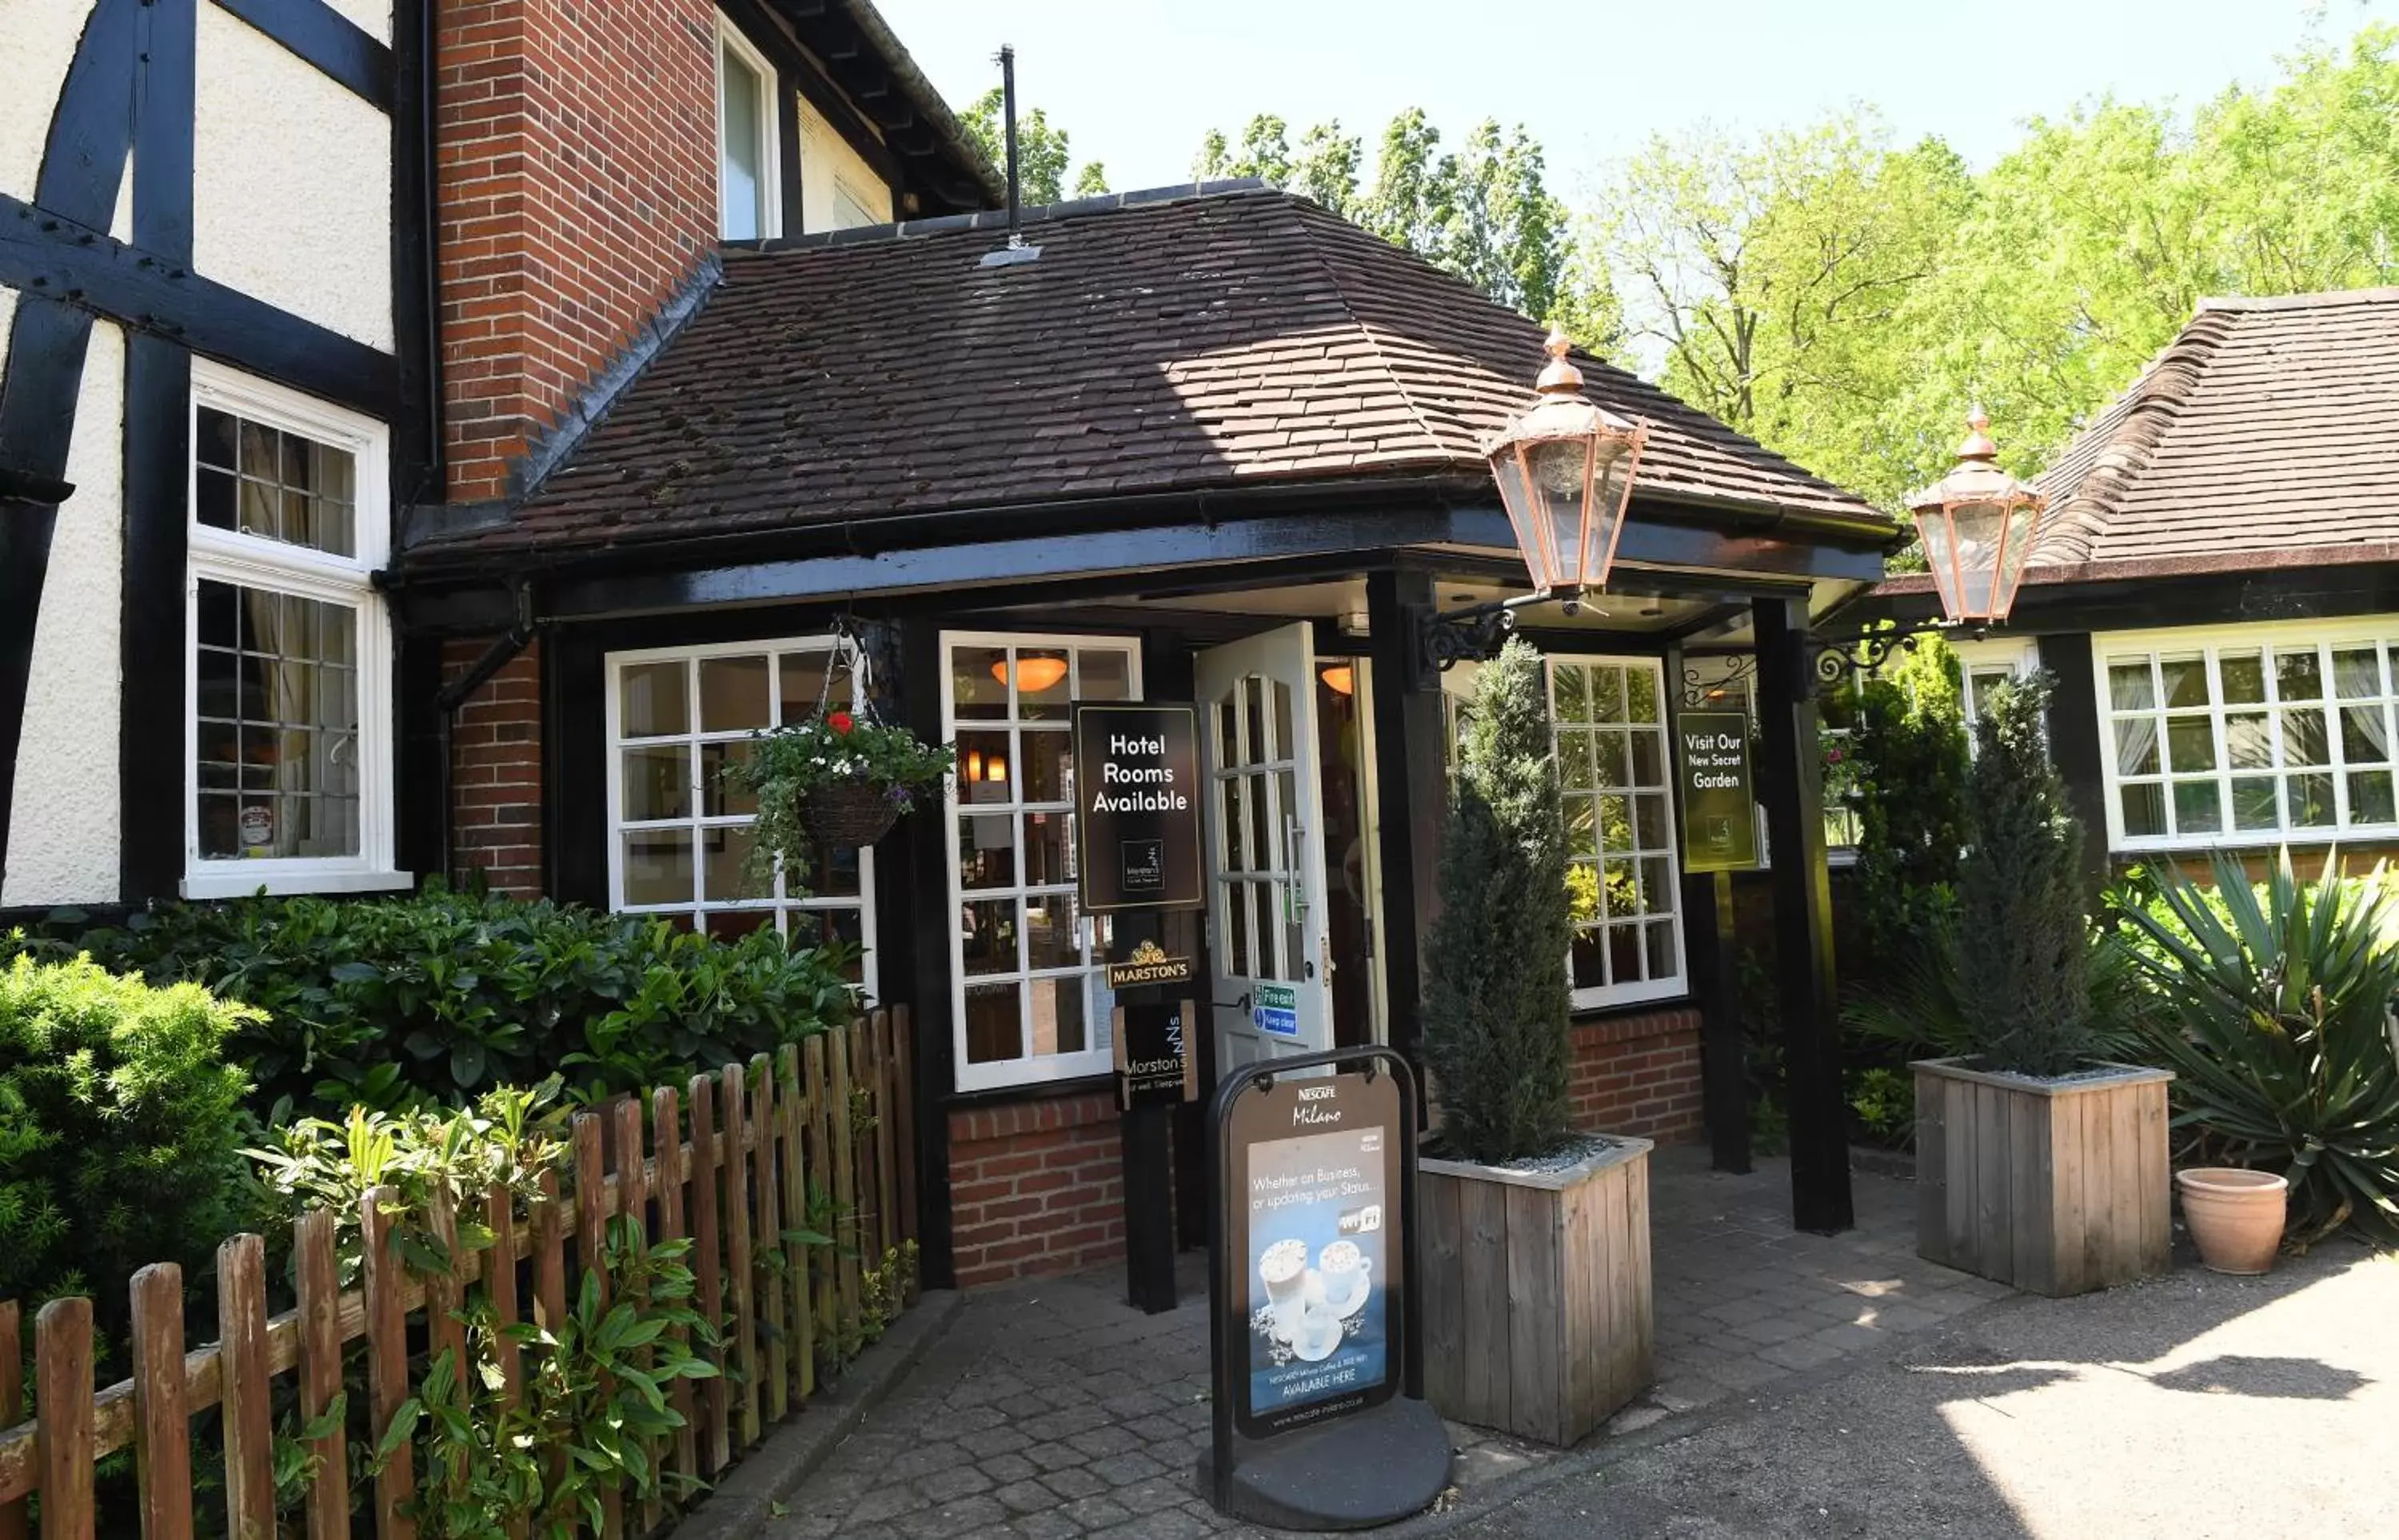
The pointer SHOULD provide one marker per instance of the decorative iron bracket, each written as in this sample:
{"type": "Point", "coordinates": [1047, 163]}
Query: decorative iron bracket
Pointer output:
{"type": "Point", "coordinates": [1475, 633]}
{"type": "Point", "coordinates": [1827, 660]}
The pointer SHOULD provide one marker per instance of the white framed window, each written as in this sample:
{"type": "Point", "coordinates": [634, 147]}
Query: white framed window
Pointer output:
{"type": "Point", "coordinates": [287, 750]}
{"type": "Point", "coordinates": [1984, 664]}
{"type": "Point", "coordinates": [1029, 1001]}
{"type": "Point", "coordinates": [679, 836]}
{"type": "Point", "coordinates": [2257, 735]}
{"type": "Point", "coordinates": [749, 145]}
{"type": "Point", "coordinates": [1623, 860]}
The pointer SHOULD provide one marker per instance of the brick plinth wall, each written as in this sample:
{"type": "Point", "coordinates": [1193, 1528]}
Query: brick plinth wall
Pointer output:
{"type": "Point", "coordinates": [1640, 1075]}
{"type": "Point", "coordinates": [496, 771]}
{"type": "Point", "coordinates": [1035, 1188]}
{"type": "Point", "coordinates": [577, 175]}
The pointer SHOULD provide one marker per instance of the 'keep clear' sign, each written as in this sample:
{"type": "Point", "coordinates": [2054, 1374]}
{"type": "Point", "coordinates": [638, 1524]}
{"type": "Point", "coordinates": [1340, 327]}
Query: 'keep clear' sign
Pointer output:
{"type": "Point", "coordinates": [1720, 805]}
{"type": "Point", "coordinates": [1137, 783]}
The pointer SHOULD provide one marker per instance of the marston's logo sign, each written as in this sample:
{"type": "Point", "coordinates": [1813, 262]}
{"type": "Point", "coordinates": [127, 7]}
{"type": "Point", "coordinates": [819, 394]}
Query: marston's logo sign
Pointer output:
{"type": "Point", "coordinates": [1149, 965]}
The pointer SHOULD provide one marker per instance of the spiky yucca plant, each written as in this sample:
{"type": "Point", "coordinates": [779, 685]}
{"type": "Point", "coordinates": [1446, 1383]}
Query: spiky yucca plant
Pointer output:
{"type": "Point", "coordinates": [1497, 995]}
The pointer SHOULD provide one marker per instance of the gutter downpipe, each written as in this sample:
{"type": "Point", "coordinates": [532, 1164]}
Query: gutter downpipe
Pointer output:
{"type": "Point", "coordinates": [451, 696]}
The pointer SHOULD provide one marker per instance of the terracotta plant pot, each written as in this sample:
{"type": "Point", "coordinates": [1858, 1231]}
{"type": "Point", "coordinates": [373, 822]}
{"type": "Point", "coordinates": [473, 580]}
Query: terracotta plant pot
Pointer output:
{"type": "Point", "coordinates": [2236, 1216]}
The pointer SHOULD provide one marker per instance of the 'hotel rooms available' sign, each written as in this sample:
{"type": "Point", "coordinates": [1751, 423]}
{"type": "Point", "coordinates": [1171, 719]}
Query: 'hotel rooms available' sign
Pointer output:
{"type": "Point", "coordinates": [1137, 786]}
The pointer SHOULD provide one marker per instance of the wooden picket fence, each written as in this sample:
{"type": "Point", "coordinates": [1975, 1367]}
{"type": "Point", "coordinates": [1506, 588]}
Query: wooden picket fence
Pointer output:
{"type": "Point", "coordinates": [758, 1135]}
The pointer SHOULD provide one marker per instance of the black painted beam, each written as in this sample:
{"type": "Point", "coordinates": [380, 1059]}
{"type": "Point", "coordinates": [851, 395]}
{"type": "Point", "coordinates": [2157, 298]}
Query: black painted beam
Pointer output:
{"type": "Point", "coordinates": [2074, 725]}
{"type": "Point", "coordinates": [44, 256]}
{"type": "Point", "coordinates": [1790, 781]}
{"type": "Point", "coordinates": [338, 46]}
{"type": "Point", "coordinates": [1412, 791]}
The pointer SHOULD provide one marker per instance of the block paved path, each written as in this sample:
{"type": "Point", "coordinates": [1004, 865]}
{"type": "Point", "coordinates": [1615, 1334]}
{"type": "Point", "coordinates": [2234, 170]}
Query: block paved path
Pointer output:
{"type": "Point", "coordinates": [1051, 1407]}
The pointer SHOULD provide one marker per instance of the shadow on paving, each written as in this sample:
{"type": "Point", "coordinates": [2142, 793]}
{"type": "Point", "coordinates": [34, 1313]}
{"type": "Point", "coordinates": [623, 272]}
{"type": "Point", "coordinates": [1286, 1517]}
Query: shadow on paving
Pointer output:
{"type": "Point", "coordinates": [2193, 1404]}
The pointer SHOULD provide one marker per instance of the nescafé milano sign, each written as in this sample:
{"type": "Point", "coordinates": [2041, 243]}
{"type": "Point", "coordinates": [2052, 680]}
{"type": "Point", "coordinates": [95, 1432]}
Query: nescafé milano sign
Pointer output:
{"type": "Point", "coordinates": [1719, 803]}
{"type": "Point", "coordinates": [1137, 786]}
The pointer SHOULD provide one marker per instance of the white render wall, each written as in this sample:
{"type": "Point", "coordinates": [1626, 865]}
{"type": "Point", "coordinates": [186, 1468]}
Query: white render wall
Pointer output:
{"type": "Point", "coordinates": [373, 16]}
{"type": "Point", "coordinates": [291, 184]}
{"type": "Point", "coordinates": [827, 161]}
{"type": "Point", "coordinates": [37, 40]}
{"type": "Point", "coordinates": [63, 834]}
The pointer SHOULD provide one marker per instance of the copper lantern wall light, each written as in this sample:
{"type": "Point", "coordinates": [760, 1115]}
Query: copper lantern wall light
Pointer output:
{"type": "Point", "coordinates": [1978, 525]}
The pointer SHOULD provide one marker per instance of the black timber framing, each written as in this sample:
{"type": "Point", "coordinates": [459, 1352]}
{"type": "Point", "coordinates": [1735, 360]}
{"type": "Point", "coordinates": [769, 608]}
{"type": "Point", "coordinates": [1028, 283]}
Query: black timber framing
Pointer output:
{"type": "Point", "coordinates": [2192, 598]}
{"type": "Point", "coordinates": [855, 93]}
{"type": "Point", "coordinates": [1411, 788]}
{"type": "Point", "coordinates": [927, 911]}
{"type": "Point", "coordinates": [2074, 725]}
{"type": "Point", "coordinates": [417, 453]}
{"type": "Point", "coordinates": [1789, 778]}
{"type": "Point", "coordinates": [336, 45]}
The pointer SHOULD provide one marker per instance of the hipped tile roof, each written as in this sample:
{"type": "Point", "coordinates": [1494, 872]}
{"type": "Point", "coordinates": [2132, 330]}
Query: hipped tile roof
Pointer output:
{"type": "Point", "coordinates": [2266, 427]}
{"type": "Point", "coordinates": [1225, 336]}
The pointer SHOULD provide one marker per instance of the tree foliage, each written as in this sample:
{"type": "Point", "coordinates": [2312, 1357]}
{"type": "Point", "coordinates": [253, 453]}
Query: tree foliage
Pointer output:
{"type": "Point", "coordinates": [1496, 992]}
{"type": "Point", "coordinates": [1043, 153]}
{"type": "Point", "coordinates": [1910, 742]}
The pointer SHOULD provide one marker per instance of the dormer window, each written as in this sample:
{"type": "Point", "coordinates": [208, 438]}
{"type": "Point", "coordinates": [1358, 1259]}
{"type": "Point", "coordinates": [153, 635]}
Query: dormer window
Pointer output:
{"type": "Point", "coordinates": [749, 178]}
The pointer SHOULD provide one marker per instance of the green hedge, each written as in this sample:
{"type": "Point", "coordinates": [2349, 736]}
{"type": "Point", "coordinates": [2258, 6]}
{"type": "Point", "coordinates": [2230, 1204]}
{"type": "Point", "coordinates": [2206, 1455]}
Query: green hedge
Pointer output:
{"type": "Point", "coordinates": [121, 1130]}
{"type": "Point", "coordinates": [440, 996]}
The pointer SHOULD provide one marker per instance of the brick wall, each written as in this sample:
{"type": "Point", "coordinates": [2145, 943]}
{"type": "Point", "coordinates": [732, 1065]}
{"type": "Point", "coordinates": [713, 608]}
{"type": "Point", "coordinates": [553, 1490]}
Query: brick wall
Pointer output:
{"type": "Point", "coordinates": [577, 174]}
{"type": "Point", "coordinates": [1035, 1188]}
{"type": "Point", "coordinates": [1640, 1075]}
{"type": "Point", "coordinates": [496, 771]}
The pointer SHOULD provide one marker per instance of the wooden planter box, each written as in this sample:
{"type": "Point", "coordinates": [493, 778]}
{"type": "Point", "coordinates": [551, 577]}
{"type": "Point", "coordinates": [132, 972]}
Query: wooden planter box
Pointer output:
{"type": "Point", "coordinates": [1536, 1287]}
{"type": "Point", "coordinates": [2055, 1186]}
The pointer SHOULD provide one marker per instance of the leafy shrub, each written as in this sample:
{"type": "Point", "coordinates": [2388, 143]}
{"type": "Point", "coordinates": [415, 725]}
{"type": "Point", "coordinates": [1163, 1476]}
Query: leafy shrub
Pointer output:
{"type": "Point", "coordinates": [120, 1129]}
{"type": "Point", "coordinates": [2275, 1020]}
{"type": "Point", "coordinates": [440, 996]}
{"type": "Point", "coordinates": [1910, 748]}
{"type": "Point", "coordinates": [1497, 994]}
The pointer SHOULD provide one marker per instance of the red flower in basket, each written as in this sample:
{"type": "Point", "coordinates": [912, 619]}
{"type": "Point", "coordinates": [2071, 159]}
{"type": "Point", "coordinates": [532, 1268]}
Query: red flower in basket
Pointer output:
{"type": "Point", "coordinates": [840, 722]}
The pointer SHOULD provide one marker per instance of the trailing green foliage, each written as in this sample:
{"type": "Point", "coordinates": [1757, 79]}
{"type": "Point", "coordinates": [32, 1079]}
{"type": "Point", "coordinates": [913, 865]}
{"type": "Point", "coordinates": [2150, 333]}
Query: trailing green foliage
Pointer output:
{"type": "Point", "coordinates": [594, 1389]}
{"type": "Point", "coordinates": [438, 997]}
{"type": "Point", "coordinates": [832, 749]}
{"type": "Point", "coordinates": [2275, 1020]}
{"type": "Point", "coordinates": [121, 1127]}
{"type": "Point", "coordinates": [1496, 992]}
{"type": "Point", "coordinates": [2022, 946]}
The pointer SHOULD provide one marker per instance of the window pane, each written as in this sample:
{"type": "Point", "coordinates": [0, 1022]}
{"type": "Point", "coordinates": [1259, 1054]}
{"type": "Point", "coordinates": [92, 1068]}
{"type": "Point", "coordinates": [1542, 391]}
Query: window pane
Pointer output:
{"type": "Point", "coordinates": [1571, 685]}
{"type": "Point", "coordinates": [2186, 680]}
{"type": "Point", "coordinates": [982, 768]}
{"type": "Point", "coordinates": [2357, 672]}
{"type": "Point", "coordinates": [2129, 687]}
{"type": "Point", "coordinates": [1574, 758]}
{"type": "Point", "coordinates": [1582, 833]}
{"type": "Point", "coordinates": [654, 699]}
{"type": "Point", "coordinates": [2190, 743]}
{"type": "Point", "coordinates": [1616, 824]}
{"type": "Point", "coordinates": [1615, 757]}
{"type": "Point", "coordinates": [2144, 809]}
{"type": "Point", "coordinates": [1048, 849]}
{"type": "Point", "coordinates": [1105, 674]}
{"type": "Point", "coordinates": [1051, 939]}
{"type": "Point", "coordinates": [1049, 765]}
{"type": "Point", "coordinates": [741, 114]}
{"type": "Point", "coordinates": [1641, 694]}
{"type": "Point", "coordinates": [995, 1022]}
{"type": "Point", "coordinates": [2370, 798]}
{"type": "Point", "coordinates": [2248, 742]}
{"type": "Point", "coordinates": [718, 795]}
{"type": "Point", "coordinates": [1237, 929]}
{"type": "Point", "coordinates": [277, 702]}
{"type": "Point", "coordinates": [657, 783]}
{"type": "Point", "coordinates": [2244, 677]}
{"type": "Point", "coordinates": [2364, 734]}
{"type": "Point", "coordinates": [657, 867]}
{"type": "Point", "coordinates": [2311, 798]}
{"type": "Point", "coordinates": [1057, 1007]}
{"type": "Point", "coordinates": [1648, 760]}
{"type": "Point", "coordinates": [2198, 808]}
{"type": "Point", "coordinates": [803, 685]}
{"type": "Point", "coordinates": [2136, 747]}
{"type": "Point", "coordinates": [1589, 965]}
{"type": "Point", "coordinates": [274, 484]}
{"type": "Point", "coordinates": [989, 926]}
{"type": "Point", "coordinates": [1623, 954]}
{"type": "Point", "coordinates": [1651, 822]}
{"type": "Point", "coordinates": [2303, 737]}
{"type": "Point", "coordinates": [1608, 695]}
{"type": "Point", "coordinates": [1660, 962]}
{"type": "Point", "coordinates": [2298, 674]}
{"type": "Point", "coordinates": [2254, 804]}
{"type": "Point", "coordinates": [978, 682]}
{"type": "Point", "coordinates": [1044, 683]}
{"type": "Point", "coordinates": [1582, 891]}
{"type": "Point", "coordinates": [732, 693]}
{"type": "Point", "coordinates": [987, 851]}
{"type": "Point", "coordinates": [725, 850]}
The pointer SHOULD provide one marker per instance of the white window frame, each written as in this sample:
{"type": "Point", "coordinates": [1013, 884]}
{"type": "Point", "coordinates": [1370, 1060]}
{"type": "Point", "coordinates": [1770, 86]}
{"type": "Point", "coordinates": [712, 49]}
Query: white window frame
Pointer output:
{"type": "Point", "coordinates": [2020, 655]}
{"type": "Point", "coordinates": [775, 903]}
{"type": "Point", "coordinates": [1458, 683]}
{"type": "Point", "coordinates": [730, 38]}
{"type": "Point", "coordinates": [258, 561]}
{"type": "Point", "coordinates": [1099, 1058]}
{"type": "Point", "coordinates": [2212, 641]}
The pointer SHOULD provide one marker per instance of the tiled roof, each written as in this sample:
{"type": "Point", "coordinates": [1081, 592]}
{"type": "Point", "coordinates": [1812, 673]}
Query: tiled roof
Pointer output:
{"type": "Point", "coordinates": [2267, 426]}
{"type": "Point", "coordinates": [1210, 337]}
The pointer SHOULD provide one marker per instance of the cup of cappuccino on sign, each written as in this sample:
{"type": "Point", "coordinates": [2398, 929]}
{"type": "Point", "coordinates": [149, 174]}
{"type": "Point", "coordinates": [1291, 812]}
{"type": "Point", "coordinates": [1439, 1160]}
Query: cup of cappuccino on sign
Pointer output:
{"type": "Point", "coordinates": [1282, 1267]}
{"type": "Point", "coordinates": [1345, 1269]}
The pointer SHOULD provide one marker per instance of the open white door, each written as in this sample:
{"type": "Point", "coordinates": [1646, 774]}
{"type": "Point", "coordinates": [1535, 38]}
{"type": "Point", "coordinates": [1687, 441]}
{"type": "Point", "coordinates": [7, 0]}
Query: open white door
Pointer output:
{"type": "Point", "coordinates": [1271, 992]}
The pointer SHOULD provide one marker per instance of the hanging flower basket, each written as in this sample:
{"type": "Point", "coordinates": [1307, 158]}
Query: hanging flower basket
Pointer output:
{"type": "Point", "coordinates": [837, 779]}
{"type": "Point", "coordinates": [853, 813]}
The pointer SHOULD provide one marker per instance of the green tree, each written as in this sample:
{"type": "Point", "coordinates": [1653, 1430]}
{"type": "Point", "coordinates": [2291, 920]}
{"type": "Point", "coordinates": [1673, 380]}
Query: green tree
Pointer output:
{"type": "Point", "coordinates": [1496, 992]}
{"type": "Point", "coordinates": [2023, 943]}
{"type": "Point", "coordinates": [1043, 153]}
{"type": "Point", "coordinates": [1910, 742]}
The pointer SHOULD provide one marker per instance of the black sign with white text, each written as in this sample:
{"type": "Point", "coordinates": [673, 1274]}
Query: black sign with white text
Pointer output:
{"type": "Point", "coordinates": [1137, 791]}
{"type": "Point", "coordinates": [1719, 806]}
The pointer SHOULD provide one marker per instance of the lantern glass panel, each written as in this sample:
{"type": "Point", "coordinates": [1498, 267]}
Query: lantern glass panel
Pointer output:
{"type": "Point", "coordinates": [1561, 469]}
{"type": "Point", "coordinates": [2022, 521]}
{"type": "Point", "coordinates": [1522, 501]}
{"type": "Point", "coordinates": [1977, 527]}
{"type": "Point", "coordinates": [1940, 556]}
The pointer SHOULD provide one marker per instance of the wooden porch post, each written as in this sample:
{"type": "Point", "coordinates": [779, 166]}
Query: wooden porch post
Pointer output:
{"type": "Point", "coordinates": [1790, 779]}
{"type": "Point", "coordinates": [1411, 787]}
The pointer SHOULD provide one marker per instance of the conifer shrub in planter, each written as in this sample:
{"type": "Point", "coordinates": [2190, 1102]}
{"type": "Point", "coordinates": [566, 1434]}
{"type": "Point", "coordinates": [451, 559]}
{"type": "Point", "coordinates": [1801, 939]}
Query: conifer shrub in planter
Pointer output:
{"type": "Point", "coordinates": [2038, 1164]}
{"type": "Point", "coordinates": [1533, 1253]}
